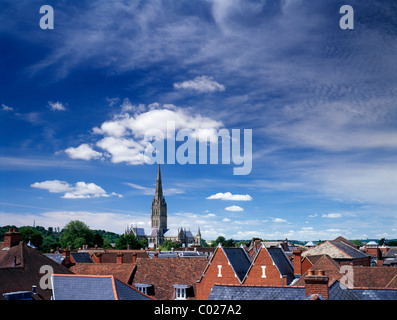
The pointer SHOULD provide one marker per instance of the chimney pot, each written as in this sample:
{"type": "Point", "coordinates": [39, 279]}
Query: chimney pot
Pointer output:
{"type": "Point", "coordinates": [11, 238]}
{"type": "Point", "coordinates": [317, 284]}
{"type": "Point", "coordinates": [119, 258]}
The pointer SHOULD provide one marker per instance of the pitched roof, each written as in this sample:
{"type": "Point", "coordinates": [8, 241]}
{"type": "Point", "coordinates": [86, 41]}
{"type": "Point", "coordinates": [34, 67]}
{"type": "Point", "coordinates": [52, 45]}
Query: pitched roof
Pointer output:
{"type": "Point", "coordinates": [282, 263]}
{"type": "Point", "coordinates": [391, 253]}
{"type": "Point", "coordinates": [379, 277]}
{"type": "Point", "coordinates": [81, 257]}
{"type": "Point", "coordinates": [86, 287]}
{"type": "Point", "coordinates": [233, 292]}
{"type": "Point", "coordinates": [111, 256]}
{"type": "Point", "coordinates": [337, 291]}
{"type": "Point", "coordinates": [326, 263]}
{"type": "Point", "coordinates": [342, 239]}
{"type": "Point", "coordinates": [164, 273]}
{"type": "Point", "coordinates": [122, 271]}
{"type": "Point", "coordinates": [26, 273]}
{"type": "Point", "coordinates": [336, 250]}
{"type": "Point", "coordinates": [239, 261]}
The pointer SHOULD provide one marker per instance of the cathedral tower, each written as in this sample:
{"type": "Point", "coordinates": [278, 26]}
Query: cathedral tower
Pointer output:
{"type": "Point", "coordinates": [159, 207]}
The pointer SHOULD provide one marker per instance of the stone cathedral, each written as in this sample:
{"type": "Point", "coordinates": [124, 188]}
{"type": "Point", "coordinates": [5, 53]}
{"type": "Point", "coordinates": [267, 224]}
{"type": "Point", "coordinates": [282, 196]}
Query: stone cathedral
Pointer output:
{"type": "Point", "coordinates": [158, 222]}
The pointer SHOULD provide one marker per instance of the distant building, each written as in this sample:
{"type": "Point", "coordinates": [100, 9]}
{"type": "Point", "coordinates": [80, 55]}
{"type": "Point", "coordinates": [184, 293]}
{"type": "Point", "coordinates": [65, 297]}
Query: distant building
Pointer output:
{"type": "Point", "coordinates": [158, 221]}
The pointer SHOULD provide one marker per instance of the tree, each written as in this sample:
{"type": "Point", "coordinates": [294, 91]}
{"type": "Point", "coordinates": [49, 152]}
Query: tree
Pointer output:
{"type": "Point", "coordinates": [127, 240]}
{"type": "Point", "coordinates": [220, 240]}
{"type": "Point", "coordinates": [168, 245]}
{"type": "Point", "coordinates": [76, 234]}
{"type": "Point", "coordinates": [30, 233]}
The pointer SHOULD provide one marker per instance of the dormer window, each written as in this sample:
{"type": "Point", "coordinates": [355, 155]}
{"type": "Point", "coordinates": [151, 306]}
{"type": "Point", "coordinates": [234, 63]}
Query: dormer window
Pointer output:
{"type": "Point", "coordinates": [143, 287]}
{"type": "Point", "coordinates": [180, 291]}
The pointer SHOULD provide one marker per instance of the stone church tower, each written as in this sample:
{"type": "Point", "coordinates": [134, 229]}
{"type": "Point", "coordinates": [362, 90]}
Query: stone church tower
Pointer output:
{"type": "Point", "coordinates": [159, 207]}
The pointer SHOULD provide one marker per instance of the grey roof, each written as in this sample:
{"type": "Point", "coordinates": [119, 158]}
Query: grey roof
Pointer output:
{"type": "Point", "coordinates": [125, 292]}
{"type": "Point", "coordinates": [139, 231]}
{"type": "Point", "coordinates": [82, 257]}
{"type": "Point", "coordinates": [349, 250]}
{"type": "Point", "coordinates": [82, 288]}
{"type": "Point", "coordinates": [238, 260]}
{"type": "Point", "coordinates": [57, 257]}
{"type": "Point", "coordinates": [375, 294]}
{"type": "Point", "coordinates": [391, 253]}
{"type": "Point", "coordinates": [74, 287]}
{"type": "Point", "coordinates": [224, 292]}
{"type": "Point", "coordinates": [337, 291]}
{"type": "Point", "coordinates": [282, 262]}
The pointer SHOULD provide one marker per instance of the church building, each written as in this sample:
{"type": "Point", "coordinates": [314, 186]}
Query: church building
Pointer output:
{"type": "Point", "coordinates": [158, 222]}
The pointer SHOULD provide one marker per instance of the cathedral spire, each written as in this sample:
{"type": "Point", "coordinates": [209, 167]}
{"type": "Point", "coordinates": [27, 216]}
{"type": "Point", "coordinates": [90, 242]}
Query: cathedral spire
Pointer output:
{"type": "Point", "coordinates": [159, 187]}
{"type": "Point", "coordinates": [159, 206]}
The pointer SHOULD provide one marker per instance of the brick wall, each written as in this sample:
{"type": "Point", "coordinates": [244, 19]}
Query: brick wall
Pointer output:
{"type": "Point", "coordinates": [263, 271]}
{"type": "Point", "coordinates": [211, 275]}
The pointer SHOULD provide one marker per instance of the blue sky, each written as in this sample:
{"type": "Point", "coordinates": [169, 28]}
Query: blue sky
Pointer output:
{"type": "Point", "coordinates": [320, 101]}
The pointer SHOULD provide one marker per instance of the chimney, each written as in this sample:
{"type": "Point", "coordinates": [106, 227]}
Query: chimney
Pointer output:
{"type": "Point", "coordinates": [11, 238]}
{"type": "Point", "coordinates": [66, 254]}
{"type": "Point", "coordinates": [134, 256]}
{"type": "Point", "coordinates": [98, 257]}
{"type": "Point", "coordinates": [297, 262]}
{"type": "Point", "coordinates": [317, 283]}
{"type": "Point", "coordinates": [119, 258]}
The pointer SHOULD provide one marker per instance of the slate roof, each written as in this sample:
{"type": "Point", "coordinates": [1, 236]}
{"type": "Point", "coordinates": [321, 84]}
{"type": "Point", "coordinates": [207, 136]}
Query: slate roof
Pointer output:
{"type": "Point", "coordinates": [337, 291]}
{"type": "Point", "coordinates": [336, 250]}
{"type": "Point", "coordinates": [283, 264]}
{"type": "Point", "coordinates": [81, 257]}
{"type": "Point", "coordinates": [85, 287]}
{"type": "Point", "coordinates": [230, 292]}
{"type": "Point", "coordinates": [349, 250]}
{"type": "Point", "coordinates": [26, 273]}
{"type": "Point", "coordinates": [391, 253]}
{"type": "Point", "coordinates": [239, 261]}
{"type": "Point", "coordinates": [57, 257]}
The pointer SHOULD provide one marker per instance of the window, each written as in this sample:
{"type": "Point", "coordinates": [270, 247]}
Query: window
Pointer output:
{"type": "Point", "coordinates": [180, 291]}
{"type": "Point", "coordinates": [180, 294]}
{"type": "Point", "coordinates": [143, 287]}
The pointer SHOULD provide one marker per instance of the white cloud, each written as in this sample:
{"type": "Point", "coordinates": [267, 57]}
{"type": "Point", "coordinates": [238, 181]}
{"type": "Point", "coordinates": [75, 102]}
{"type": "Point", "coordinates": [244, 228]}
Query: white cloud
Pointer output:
{"type": "Point", "coordinates": [234, 208]}
{"type": "Point", "coordinates": [229, 196]}
{"type": "Point", "coordinates": [200, 84]}
{"type": "Point", "coordinates": [6, 108]}
{"type": "Point", "coordinates": [84, 151]}
{"type": "Point", "coordinates": [56, 106]}
{"type": "Point", "coordinates": [332, 215]}
{"type": "Point", "coordinates": [226, 220]}
{"type": "Point", "coordinates": [126, 135]}
{"type": "Point", "coordinates": [80, 190]}
{"type": "Point", "coordinates": [279, 220]}
{"type": "Point", "coordinates": [54, 186]}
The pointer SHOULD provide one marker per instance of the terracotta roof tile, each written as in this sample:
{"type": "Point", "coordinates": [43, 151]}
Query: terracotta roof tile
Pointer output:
{"type": "Point", "coordinates": [164, 273]}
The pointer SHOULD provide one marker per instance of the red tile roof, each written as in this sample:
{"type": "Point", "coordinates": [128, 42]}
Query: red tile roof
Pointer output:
{"type": "Point", "coordinates": [164, 273]}
{"type": "Point", "coordinates": [26, 273]}
{"type": "Point", "coordinates": [123, 271]}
